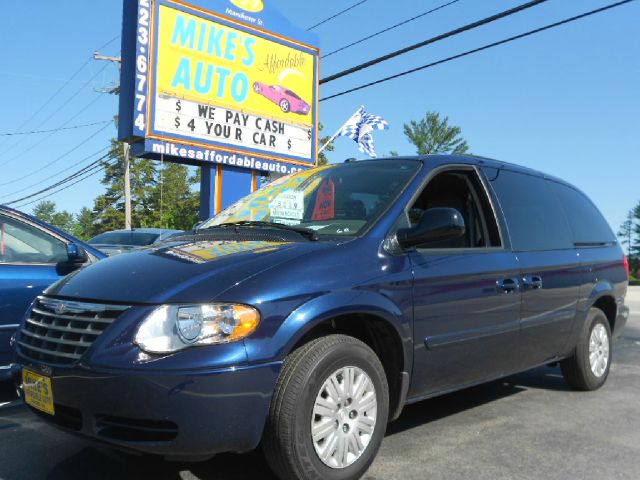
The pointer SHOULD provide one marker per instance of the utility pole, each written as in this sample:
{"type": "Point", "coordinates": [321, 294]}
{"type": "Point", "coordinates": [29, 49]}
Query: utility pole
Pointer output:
{"type": "Point", "coordinates": [127, 160]}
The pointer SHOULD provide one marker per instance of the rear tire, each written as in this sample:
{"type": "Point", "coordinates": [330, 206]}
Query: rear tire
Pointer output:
{"type": "Point", "coordinates": [588, 368]}
{"type": "Point", "coordinates": [359, 409]}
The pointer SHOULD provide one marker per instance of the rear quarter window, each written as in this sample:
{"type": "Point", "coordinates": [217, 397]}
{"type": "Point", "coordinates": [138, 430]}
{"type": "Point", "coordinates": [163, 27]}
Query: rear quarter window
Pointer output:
{"type": "Point", "coordinates": [535, 218]}
{"type": "Point", "coordinates": [587, 224]}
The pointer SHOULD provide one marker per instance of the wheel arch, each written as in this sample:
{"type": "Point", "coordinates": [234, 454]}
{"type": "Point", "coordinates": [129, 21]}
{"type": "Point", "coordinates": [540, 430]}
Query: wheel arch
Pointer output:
{"type": "Point", "coordinates": [603, 298]}
{"type": "Point", "coordinates": [367, 316]}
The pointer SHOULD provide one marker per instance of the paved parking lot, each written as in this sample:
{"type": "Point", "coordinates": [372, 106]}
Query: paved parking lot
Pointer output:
{"type": "Point", "coordinates": [530, 426]}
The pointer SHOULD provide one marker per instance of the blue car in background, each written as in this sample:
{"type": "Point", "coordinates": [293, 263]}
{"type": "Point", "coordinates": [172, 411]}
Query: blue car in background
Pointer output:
{"type": "Point", "coordinates": [33, 255]}
{"type": "Point", "coordinates": [121, 241]}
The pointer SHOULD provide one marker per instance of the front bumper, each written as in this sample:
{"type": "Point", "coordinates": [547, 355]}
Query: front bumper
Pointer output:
{"type": "Point", "coordinates": [179, 415]}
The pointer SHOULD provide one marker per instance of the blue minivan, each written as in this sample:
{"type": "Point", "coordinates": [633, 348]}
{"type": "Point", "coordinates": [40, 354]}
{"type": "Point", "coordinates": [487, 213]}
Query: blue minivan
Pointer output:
{"type": "Point", "coordinates": [33, 255]}
{"type": "Point", "coordinates": [307, 315]}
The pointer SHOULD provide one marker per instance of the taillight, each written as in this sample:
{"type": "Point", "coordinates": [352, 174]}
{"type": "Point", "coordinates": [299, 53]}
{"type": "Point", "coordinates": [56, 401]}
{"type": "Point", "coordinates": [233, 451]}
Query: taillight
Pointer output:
{"type": "Point", "coordinates": [625, 262]}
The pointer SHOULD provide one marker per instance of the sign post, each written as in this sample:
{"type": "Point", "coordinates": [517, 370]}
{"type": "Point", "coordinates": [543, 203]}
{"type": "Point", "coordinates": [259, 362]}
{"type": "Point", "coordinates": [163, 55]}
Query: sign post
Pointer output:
{"type": "Point", "coordinates": [227, 85]}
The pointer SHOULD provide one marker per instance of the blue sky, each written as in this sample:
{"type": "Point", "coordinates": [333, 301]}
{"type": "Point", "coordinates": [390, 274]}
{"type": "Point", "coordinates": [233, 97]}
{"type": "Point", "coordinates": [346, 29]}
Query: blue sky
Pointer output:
{"type": "Point", "coordinates": [565, 101]}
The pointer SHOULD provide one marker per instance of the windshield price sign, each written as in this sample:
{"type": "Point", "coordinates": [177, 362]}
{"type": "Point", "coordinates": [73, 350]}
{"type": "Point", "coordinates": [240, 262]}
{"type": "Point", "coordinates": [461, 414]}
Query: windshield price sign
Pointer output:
{"type": "Point", "coordinates": [288, 205]}
{"type": "Point", "coordinates": [226, 81]}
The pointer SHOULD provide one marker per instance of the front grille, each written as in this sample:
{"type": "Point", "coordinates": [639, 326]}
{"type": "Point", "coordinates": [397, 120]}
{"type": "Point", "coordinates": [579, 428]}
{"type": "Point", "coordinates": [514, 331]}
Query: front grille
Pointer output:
{"type": "Point", "coordinates": [60, 331]}
{"type": "Point", "coordinates": [134, 430]}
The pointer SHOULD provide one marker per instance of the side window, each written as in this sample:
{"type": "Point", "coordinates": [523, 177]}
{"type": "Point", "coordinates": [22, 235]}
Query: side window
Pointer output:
{"type": "Point", "coordinates": [533, 213]}
{"type": "Point", "coordinates": [461, 190]}
{"type": "Point", "coordinates": [587, 223]}
{"type": "Point", "coordinates": [22, 243]}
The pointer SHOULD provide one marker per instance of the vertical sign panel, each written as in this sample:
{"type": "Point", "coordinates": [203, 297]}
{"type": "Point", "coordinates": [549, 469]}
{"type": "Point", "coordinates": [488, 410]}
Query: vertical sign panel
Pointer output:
{"type": "Point", "coordinates": [232, 83]}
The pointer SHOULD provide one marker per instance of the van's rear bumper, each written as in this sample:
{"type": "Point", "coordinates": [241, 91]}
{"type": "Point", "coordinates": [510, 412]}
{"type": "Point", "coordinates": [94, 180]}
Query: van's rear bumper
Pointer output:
{"type": "Point", "coordinates": [179, 415]}
{"type": "Point", "coordinates": [621, 320]}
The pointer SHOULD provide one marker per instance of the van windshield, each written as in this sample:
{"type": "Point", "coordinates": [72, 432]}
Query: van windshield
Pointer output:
{"type": "Point", "coordinates": [333, 200]}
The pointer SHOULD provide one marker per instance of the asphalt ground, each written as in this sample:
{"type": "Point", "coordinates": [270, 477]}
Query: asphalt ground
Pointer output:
{"type": "Point", "coordinates": [529, 426]}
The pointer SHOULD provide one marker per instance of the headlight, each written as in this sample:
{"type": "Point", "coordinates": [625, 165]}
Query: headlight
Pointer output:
{"type": "Point", "coordinates": [172, 328]}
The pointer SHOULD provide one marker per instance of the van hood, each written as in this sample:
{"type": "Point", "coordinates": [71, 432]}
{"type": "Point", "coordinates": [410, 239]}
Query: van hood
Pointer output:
{"type": "Point", "coordinates": [195, 271]}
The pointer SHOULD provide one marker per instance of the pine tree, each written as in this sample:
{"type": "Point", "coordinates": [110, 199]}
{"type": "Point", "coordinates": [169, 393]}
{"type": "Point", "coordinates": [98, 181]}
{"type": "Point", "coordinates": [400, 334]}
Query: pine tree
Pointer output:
{"type": "Point", "coordinates": [108, 208]}
{"type": "Point", "coordinates": [47, 212]}
{"type": "Point", "coordinates": [84, 228]}
{"type": "Point", "coordinates": [626, 232]}
{"type": "Point", "coordinates": [168, 204]}
{"type": "Point", "coordinates": [322, 158]}
{"type": "Point", "coordinates": [433, 135]}
{"type": "Point", "coordinates": [175, 205]}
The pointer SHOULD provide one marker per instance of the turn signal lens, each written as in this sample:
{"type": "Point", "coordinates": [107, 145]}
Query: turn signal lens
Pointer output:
{"type": "Point", "coordinates": [625, 262]}
{"type": "Point", "coordinates": [248, 321]}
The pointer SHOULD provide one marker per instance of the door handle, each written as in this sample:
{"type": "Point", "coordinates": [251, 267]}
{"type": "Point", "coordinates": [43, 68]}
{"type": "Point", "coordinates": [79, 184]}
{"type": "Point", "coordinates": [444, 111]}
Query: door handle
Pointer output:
{"type": "Point", "coordinates": [508, 285]}
{"type": "Point", "coordinates": [532, 282]}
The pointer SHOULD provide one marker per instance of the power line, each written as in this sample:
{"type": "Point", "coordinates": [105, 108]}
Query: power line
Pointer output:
{"type": "Point", "coordinates": [61, 190]}
{"type": "Point", "coordinates": [388, 29]}
{"type": "Point", "coordinates": [59, 129]}
{"type": "Point", "coordinates": [72, 97]}
{"type": "Point", "coordinates": [96, 170]}
{"type": "Point", "coordinates": [85, 141]}
{"type": "Point", "coordinates": [342, 12]}
{"type": "Point", "coordinates": [429, 41]}
{"type": "Point", "coordinates": [57, 92]}
{"type": "Point", "coordinates": [117, 37]}
{"type": "Point", "coordinates": [69, 100]}
{"type": "Point", "coordinates": [64, 181]}
{"type": "Point", "coordinates": [41, 141]}
{"type": "Point", "coordinates": [480, 49]}
{"type": "Point", "coordinates": [39, 182]}
{"type": "Point", "coordinates": [67, 82]}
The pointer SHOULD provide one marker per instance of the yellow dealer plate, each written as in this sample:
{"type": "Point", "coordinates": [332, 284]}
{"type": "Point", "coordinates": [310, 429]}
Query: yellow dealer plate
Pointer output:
{"type": "Point", "coordinates": [37, 391]}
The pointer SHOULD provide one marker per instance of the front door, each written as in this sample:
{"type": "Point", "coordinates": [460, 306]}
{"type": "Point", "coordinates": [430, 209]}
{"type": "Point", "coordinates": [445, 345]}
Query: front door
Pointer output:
{"type": "Point", "coordinates": [466, 291]}
{"type": "Point", "coordinates": [29, 260]}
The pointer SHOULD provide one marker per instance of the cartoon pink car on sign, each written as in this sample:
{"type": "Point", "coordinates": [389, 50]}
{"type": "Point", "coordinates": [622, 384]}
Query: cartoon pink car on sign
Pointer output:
{"type": "Point", "coordinates": [284, 98]}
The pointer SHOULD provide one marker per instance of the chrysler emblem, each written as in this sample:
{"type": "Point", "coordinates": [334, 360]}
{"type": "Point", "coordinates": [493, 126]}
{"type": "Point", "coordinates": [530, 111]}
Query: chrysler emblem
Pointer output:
{"type": "Point", "coordinates": [60, 308]}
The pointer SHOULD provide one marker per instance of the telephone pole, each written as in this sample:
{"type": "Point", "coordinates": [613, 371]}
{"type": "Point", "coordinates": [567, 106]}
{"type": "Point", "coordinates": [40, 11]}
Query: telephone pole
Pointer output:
{"type": "Point", "coordinates": [127, 160]}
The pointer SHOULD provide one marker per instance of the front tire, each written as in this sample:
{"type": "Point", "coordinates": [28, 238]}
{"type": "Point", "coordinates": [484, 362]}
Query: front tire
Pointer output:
{"type": "Point", "coordinates": [329, 411]}
{"type": "Point", "coordinates": [588, 368]}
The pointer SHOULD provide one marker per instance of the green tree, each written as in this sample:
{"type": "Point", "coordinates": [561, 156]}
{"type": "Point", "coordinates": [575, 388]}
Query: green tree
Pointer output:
{"type": "Point", "coordinates": [626, 232]}
{"type": "Point", "coordinates": [84, 224]}
{"type": "Point", "coordinates": [322, 158]}
{"type": "Point", "coordinates": [108, 208]}
{"type": "Point", "coordinates": [47, 212]}
{"type": "Point", "coordinates": [175, 205]}
{"type": "Point", "coordinates": [161, 195]}
{"type": "Point", "coordinates": [635, 238]}
{"type": "Point", "coordinates": [434, 135]}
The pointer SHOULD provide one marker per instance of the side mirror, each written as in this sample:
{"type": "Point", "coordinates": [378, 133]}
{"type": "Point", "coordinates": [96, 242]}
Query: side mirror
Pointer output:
{"type": "Point", "coordinates": [435, 225]}
{"type": "Point", "coordinates": [76, 255]}
{"type": "Point", "coordinates": [198, 225]}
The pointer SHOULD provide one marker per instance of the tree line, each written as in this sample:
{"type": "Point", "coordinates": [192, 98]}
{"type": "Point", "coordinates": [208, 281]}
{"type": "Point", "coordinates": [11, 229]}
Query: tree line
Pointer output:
{"type": "Point", "coordinates": [630, 239]}
{"type": "Point", "coordinates": [161, 196]}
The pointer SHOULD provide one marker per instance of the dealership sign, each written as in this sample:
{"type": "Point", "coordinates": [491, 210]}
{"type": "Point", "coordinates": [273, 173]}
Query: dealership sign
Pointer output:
{"type": "Point", "coordinates": [218, 81]}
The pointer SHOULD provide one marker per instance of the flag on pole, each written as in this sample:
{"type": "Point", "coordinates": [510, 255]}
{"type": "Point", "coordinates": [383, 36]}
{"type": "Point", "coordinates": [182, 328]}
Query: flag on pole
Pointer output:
{"type": "Point", "coordinates": [360, 128]}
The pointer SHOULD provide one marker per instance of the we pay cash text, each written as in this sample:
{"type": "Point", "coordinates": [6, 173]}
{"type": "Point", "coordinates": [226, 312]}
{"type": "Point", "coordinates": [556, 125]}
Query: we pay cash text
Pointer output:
{"type": "Point", "coordinates": [206, 122]}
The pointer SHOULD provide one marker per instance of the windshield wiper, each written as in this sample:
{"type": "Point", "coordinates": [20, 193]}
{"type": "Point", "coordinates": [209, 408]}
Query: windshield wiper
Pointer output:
{"type": "Point", "coordinates": [305, 232]}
